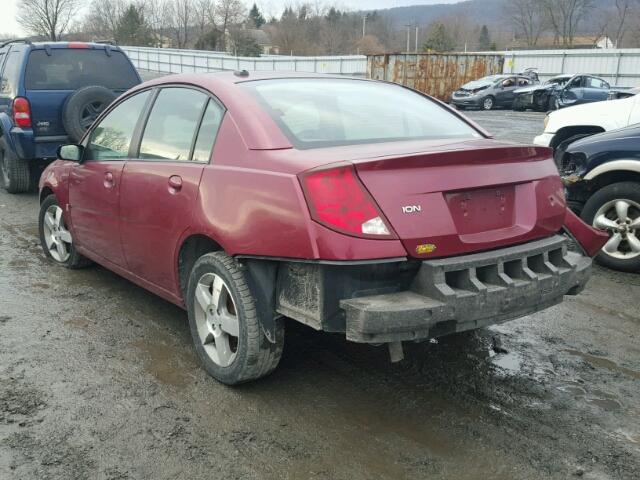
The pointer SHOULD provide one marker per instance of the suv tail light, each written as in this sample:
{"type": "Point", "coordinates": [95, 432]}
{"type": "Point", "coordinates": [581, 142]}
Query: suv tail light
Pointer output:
{"type": "Point", "coordinates": [22, 112]}
{"type": "Point", "coordinates": [338, 200]}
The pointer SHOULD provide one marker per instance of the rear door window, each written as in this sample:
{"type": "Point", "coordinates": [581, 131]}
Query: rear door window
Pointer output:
{"type": "Point", "coordinates": [74, 68]}
{"type": "Point", "coordinates": [172, 124]}
{"type": "Point", "coordinates": [111, 138]}
{"type": "Point", "coordinates": [208, 132]}
{"type": "Point", "coordinates": [11, 74]}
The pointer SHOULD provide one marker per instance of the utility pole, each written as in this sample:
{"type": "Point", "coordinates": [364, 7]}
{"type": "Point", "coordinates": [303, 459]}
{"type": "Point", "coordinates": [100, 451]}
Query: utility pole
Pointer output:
{"type": "Point", "coordinates": [364, 26]}
{"type": "Point", "coordinates": [417, 32]}
{"type": "Point", "coordinates": [408, 38]}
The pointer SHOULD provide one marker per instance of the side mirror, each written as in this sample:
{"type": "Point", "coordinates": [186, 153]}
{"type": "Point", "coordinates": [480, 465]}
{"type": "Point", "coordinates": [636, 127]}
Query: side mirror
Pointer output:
{"type": "Point", "coordinates": [72, 153]}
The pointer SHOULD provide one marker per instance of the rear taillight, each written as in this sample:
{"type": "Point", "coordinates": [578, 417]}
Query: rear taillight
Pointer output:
{"type": "Point", "coordinates": [21, 112]}
{"type": "Point", "coordinates": [77, 45]}
{"type": "Point", "coordinates": [338, 200]}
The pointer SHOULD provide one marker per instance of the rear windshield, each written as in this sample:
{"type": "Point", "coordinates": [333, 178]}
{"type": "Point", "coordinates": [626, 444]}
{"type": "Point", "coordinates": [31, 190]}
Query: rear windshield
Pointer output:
{"type": "Point", "coordinates": [327, 112]}
{"type": "Point", "coordinates": [73, 68]}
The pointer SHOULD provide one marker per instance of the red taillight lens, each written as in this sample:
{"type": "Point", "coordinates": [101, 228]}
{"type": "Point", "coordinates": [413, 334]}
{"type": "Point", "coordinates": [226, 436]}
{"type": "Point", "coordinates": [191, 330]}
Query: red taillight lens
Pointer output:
{"type": "Point", "coordinates": [77, 45]}
{"type": "Point", "coordinates": [338, 200]}
{"type": "Point", "coordinates": [21, 112]}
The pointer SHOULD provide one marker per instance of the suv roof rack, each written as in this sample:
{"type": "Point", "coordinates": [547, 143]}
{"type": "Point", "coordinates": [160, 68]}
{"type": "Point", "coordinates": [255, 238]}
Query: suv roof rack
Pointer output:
{"type": "Point", "coordinates": [15, 40]}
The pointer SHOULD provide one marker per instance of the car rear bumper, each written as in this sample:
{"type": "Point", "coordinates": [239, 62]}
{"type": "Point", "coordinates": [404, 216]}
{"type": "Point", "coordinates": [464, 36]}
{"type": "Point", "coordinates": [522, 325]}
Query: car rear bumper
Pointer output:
{"type": "Point", "coordinates": [469, 292]}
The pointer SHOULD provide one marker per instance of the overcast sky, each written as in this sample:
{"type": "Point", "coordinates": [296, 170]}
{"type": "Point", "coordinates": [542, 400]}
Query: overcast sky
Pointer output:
{"type": "Point", "coordinates": [8, 8]}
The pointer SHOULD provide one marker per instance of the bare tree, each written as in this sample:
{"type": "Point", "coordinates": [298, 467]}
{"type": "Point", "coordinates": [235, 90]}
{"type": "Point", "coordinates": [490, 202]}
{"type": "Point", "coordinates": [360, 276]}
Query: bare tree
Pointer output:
{"type": "Point", "coordinates": [47, 17]}
{"type": "Point", "coordinates": [228, 12]}
{"type": "Point", "coordinates": [204, 13]}
{"type": "Point", "coordinates": [564, 17]}
{"type": "Point", "coordinates": [529, 20]}
{"type": "Point", "coordinates": [620, 17]}
{"type": "Point", "coordinates": [159, 14]}
{"type": "Point", "coordinates": [183, 16]}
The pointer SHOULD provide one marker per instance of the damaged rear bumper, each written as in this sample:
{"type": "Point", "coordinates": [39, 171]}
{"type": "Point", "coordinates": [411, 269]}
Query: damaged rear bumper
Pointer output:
{"type": "Point", "coordinates": [469, 292]}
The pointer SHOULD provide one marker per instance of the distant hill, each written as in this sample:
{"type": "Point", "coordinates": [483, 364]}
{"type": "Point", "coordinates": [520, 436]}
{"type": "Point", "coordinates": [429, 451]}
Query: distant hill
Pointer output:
{"type": "Point", "coordinates": [487, 12]}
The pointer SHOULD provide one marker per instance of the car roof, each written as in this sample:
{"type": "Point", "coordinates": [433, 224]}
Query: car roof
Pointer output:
{"type": "Point", "coordinates": [26, 44]}
{"type": "Point", "coordinates": [256, 126]}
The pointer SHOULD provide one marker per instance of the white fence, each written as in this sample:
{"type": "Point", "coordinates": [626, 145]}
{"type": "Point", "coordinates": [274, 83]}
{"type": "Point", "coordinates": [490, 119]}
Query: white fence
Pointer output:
{"type": "Point", "coordinates": [166, 60]}
{"type": "Point", "coordinates": [620, 67]}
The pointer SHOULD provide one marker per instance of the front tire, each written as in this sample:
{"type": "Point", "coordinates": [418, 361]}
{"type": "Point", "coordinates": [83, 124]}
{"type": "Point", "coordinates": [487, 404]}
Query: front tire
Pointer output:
{"type": "Point", "coordinates": [55, 238]}
{"type": "Point", "coordinates": [616, 209]}
{"type": "Point", "coordinates": [224, 323]}
{"type": "Point", "coordinates": [14, 171]}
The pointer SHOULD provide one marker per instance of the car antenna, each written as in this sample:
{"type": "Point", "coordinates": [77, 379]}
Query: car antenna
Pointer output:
{"type": "Point", "coordinates": [241, 73]}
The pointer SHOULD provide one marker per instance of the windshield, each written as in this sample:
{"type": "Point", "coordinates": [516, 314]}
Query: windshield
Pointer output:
{"type": "Point", "coordinates": [328, 112]}
{"type": "Point", "coordinates": [557, 81]}
{"type": "Point", "coordinates": [482, 82]}
{"type": "Point", "coordinates": [73, 68]}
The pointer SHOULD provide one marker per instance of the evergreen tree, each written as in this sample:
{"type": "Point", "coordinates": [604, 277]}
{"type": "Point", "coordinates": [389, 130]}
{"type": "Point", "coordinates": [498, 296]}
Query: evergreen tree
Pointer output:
{"type": "Point", "coordinates": [438, 39]}
{"type": "Point", "coordinates": [484, 40]}
{"type": "Point", "coordinates": [132, 28]}
{"type": "Point", "coordinates": [256, 16]}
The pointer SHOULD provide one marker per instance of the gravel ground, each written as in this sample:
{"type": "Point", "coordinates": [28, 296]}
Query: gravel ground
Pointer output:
{"type": "Point", "coordinates": [98, 380]}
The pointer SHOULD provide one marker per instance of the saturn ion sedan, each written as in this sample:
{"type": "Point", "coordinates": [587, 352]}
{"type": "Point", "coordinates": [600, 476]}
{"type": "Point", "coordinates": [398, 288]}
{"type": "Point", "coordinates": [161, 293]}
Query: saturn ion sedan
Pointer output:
{"type": "Point", "coordinates": [353, 206]}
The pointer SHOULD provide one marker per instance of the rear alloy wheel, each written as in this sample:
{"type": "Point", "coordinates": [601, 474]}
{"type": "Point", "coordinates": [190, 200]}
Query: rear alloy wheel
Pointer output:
{"type": "Point", "coordinates": [488, 103]}
{"type": "Point", "coordinates": [14, 171]}
{"type": "Point", "coordinates": [616, 209]}
{"type": "Point", "coordinates": [224, 323]}
{"type": "Point", "coordinates": [55, 238]}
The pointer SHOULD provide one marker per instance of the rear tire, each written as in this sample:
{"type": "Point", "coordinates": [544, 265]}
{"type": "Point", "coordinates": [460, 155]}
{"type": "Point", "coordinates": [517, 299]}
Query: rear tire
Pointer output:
{"type": "Point", "coordinates": [14, 171]}
{"type": "Point", "coordinates": [488, 103]}
{"type": "Point", "coordinates": [224, 323]}
{"type": "Point", "coordinates": [604, 203]}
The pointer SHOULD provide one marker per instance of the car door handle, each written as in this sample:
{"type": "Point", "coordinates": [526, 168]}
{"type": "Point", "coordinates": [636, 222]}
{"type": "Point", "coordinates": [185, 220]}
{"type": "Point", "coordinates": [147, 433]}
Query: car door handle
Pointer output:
{"type": "Point", "coordinates": [175, 183]}
{"type": "Point", "coordinates": [108, 180]}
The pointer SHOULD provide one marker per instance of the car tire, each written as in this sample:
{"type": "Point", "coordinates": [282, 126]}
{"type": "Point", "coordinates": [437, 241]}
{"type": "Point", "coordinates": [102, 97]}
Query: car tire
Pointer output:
{"type": "Point", "coordinates": [14, 172]}
{"type": "Point", "coordinates": [55, 239]}
{"type": "Point", "coordinates": [621, 256]}
{"type": "Point", "coordinates": [488, 103]}
{"type": "Point", "coordinates": [226, 331]}
{"type": "Point", "coordinates": [82, 107]}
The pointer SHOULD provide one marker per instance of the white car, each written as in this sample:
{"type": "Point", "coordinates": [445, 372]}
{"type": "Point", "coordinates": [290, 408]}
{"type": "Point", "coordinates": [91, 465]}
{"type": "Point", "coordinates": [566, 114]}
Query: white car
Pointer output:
{"type": "Point", "coordinates": [563, 127]}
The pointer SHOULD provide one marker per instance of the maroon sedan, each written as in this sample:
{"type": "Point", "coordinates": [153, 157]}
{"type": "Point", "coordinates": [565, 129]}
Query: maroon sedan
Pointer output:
{"type": "Point", "coordinates": [349, 205]}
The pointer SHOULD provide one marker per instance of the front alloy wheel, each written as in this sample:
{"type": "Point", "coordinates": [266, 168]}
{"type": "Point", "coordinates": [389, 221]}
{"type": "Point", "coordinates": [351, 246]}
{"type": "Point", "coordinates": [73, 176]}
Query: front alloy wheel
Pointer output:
{"type": "Point", "coordinates": [56, 236]}
{"type": "Point", "coordinates": [487, 103]}
{"type": "Point", "coordinates": [621, 218]}
{"type": "Point", "coordinates": [616, 210]}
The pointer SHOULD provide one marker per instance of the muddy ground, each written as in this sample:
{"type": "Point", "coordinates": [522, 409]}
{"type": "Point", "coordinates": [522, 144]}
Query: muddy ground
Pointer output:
{"type": "Point", "coordinates": [98, 380]}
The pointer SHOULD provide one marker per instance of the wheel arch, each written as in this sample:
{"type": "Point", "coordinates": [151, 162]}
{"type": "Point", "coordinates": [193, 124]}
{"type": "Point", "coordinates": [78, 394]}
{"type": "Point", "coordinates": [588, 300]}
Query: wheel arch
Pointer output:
{"type": "Point", "coordinates": [191, 248]}
{"type": "Point", "coordinates": [566, 132]}
{"type": "Point", "coordinates": [45, 192]}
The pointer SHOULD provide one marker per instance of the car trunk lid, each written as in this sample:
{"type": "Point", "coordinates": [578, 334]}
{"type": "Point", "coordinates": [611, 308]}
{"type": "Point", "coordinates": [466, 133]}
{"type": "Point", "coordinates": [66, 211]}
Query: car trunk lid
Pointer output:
{"type": "Point", "coordinates": [467, 198]}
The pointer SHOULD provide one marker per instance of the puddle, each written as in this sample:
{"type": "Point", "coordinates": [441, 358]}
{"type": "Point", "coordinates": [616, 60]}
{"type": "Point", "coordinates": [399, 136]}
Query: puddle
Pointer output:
{"type": "Point", "coordinates": [604, 363]}
{"type": "Point", "coordinates": [606, 404]}
{"type": "Point", "coordinates": [165, 362]}
{"type": "Point", "coordinates": [78, 322]}
{"type": "Point", "coordinates": [511, 362]}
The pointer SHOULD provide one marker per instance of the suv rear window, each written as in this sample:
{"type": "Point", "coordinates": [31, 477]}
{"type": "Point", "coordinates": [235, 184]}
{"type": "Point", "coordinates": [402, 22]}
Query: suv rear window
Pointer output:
{"type": "Point", "coordinates": [328, 112]}
{"type": "Point", "coordinates": [70, 69]}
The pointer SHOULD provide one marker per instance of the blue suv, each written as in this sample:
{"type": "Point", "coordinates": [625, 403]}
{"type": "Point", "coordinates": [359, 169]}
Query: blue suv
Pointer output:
{"type": "Point", "coordinates": [49, 95]}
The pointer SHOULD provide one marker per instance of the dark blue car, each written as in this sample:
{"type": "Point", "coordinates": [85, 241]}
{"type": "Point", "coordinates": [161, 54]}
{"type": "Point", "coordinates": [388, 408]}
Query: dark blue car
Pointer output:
{"type": "Point", "coordinates": [49, 94]}
{"type": "Point", "coordinates": [602, 178]}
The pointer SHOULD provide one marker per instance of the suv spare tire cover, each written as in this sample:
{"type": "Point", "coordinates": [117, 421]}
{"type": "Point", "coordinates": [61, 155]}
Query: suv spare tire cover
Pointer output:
{"type": "Point", "coordinates": [82, 107]}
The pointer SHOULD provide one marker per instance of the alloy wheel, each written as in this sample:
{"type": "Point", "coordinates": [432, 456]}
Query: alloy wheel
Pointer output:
{"type": "Point", "coordinates": [488, 103]}
{"type": "Point", "coordinates": [621, 218]}
{"type": "Point", "coordinates": [217, 319]}
{"type": "Point", "coordinates": [90, 112]}
{"type": "Point", "coordinates": [57, 237]}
